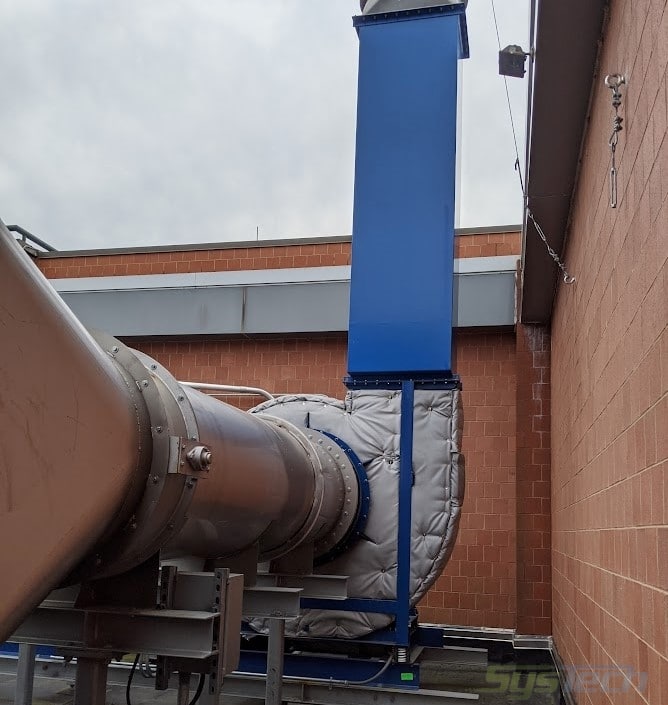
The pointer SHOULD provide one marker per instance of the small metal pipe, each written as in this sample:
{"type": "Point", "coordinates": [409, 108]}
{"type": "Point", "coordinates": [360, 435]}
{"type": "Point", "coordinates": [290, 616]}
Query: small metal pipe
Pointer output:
{"type": "Point", "coordinates": [25, 234]}
{"type": "Point", "coordinates": [232, 388]}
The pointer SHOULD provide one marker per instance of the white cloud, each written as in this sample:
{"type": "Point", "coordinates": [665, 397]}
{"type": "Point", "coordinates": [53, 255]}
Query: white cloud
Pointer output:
{"type": "Point", "coordinates": [167, 121]}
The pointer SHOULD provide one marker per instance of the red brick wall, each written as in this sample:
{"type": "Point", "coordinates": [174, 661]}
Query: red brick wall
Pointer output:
{"type": "Point", "coordinates": [610, 379]}
{"type": "Point", "coordinates": [477, 587]}
{"type": "Point", "coordinates": [215, 260]}
{"type": "Point", "coordinates": [314, 364]}
{"type": "Point", "coordinates": [488, 245]}
{"type": "Point", "coordinates": [254, 257]}
{"type": "Point", "coordinates": [534, 580]}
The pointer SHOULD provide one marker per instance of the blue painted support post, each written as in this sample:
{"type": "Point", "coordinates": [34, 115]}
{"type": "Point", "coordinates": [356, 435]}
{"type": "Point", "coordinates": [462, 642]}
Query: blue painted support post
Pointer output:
{"type": "Point", "coordinates": [405, 501]}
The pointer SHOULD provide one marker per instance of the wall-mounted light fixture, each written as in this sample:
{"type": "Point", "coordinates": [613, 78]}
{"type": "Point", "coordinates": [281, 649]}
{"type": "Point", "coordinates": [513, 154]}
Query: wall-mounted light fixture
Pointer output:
{"type": "Point", "coordinates": [512, 61]}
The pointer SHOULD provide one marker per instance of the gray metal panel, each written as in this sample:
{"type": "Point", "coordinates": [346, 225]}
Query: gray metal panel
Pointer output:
{"type": "Point", "coordinates": [484, 300]}
{"type": "Point", "coordinates": [480, 299]}
{"type": "Point", "coordinates": [160, 311]}
{"type": "Point", "coordinates": [297, 308]}
{"type": "Point", "coordinates": [198, 280]}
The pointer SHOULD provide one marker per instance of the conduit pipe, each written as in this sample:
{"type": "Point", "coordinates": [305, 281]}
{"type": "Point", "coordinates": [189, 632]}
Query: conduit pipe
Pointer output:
{"type": "Point", "coordinates": [106, 459]}
{"type": "Point", "coordinates": [231, 388]}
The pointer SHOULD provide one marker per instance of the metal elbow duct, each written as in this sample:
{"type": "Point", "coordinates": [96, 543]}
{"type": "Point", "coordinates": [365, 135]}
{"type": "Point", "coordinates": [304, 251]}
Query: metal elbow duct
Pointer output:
{"type": "Point", "coordinates": [105, 459]}
{"type": "Point", "coordinates": [222, 481]}
{"type": "Point", "coordinates": [270, 484]}
{"type": "Point", "coordinates": [74, 438]}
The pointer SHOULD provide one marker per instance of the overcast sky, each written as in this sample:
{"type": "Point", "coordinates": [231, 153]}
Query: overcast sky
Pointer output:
{"type": "Point", "coordinates": [142, 122]}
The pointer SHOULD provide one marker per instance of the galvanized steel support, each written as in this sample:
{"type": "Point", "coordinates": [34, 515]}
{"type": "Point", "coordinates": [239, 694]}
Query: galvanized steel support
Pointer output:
{"type": "Point", "coordinates": [25, 673]}
{"type": "Point", "coordinates": [275, 661]}
{"type": "Point", "coordinates": [91, 682]}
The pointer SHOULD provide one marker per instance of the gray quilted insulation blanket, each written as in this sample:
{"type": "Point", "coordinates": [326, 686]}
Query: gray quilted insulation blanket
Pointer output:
{"type": "Point", "coordinates": [369, 422]}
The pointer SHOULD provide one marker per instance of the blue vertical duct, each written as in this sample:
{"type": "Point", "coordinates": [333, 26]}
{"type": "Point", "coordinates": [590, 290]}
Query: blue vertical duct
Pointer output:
{"type": "Point", "coordinates": [403, 224]}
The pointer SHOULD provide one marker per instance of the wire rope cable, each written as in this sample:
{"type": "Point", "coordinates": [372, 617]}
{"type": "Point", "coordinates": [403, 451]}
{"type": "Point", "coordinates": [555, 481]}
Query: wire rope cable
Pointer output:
{"type": "Point", "coordinates": [518, 167]}
{"type": "Point", "coordinates": [567, 277]}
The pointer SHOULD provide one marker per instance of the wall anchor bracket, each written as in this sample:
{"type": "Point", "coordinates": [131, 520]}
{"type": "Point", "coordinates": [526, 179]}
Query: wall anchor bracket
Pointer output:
{"type": "Point", "coordinates": [614, 81]}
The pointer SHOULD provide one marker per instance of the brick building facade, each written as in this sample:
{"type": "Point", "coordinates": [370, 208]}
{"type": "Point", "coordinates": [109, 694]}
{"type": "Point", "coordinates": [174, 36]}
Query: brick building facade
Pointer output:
{"type": "Point", "coordinates": [608, 341]}
{"type": "Point", "coordinates": [610, 353]}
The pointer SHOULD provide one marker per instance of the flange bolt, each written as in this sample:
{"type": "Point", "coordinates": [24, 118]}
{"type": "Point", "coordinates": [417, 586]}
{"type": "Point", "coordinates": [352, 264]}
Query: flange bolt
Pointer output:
{"type": "Point", "coordinates": [200, 458]}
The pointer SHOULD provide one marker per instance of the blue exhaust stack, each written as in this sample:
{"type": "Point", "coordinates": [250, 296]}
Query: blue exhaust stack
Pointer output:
{"type": "Point", "coordinates": [404, 205]}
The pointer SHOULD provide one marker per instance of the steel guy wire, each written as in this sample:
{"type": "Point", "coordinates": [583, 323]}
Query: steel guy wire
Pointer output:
{"type": "Point", "coordinates": [568, 278]}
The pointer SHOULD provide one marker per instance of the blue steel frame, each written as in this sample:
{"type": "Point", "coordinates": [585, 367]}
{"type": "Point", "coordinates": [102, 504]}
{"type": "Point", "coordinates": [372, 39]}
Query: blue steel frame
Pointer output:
{"type": "Point", "coordinates": [399, 608]}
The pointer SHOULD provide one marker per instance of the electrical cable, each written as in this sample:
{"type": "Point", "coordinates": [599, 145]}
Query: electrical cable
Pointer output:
{"type": "Point", "coordinates": [196, 696]}
{"type": "Point", "coordinates": [518, 167]}
{"type": "Point", "coordinates": [128, 701]}
{"type": "Point", "coordinates": [145, 667]}
{"type": "Point", "coordinates": [200, 688]}
{"type": "Point", "coordinates": [568, 278]}
{"type": "Point", "coordinates": [339, 681]}
{"type": "Point", "coordinates": [375, 676]}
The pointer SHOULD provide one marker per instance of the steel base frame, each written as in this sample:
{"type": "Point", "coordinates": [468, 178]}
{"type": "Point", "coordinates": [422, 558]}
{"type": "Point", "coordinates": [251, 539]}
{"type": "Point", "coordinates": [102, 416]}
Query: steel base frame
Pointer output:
{"type": "Point", "coordinates": [241, 685]}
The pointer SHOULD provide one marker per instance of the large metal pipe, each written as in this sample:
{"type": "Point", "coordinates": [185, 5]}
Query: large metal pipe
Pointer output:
{"type": "Point", "coordinates": [269, 484]}
{"type": "Point", "coordinates": [105, 459]}
{"type": "Point", "coordinates": [74, 438]}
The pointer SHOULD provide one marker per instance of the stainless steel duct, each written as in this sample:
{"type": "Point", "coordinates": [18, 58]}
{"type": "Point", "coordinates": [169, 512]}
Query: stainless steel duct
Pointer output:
{"type": "Point", "coordinates": [74, 438]}
{"type": "Point", "coordinates": [105, 459]}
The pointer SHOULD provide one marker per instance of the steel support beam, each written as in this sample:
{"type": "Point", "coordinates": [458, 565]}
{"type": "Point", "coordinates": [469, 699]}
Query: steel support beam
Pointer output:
{"type": "Point", "coordinates": [271, 602]}
{"type": "Point", "coordinates": [25, 672]}
{"type": "Point", "coordinates": [332, 693]}
{"type": "Point", "coordinates": [91, 681]}
{"type": "Point", "coordinates": [183, 693]}
{"type": "Point", "coordinates": [237, 685]}
{"type": "Point", "coordinates": [275, 662]}
{"type": "Point", "coordinates": [333, 587]}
